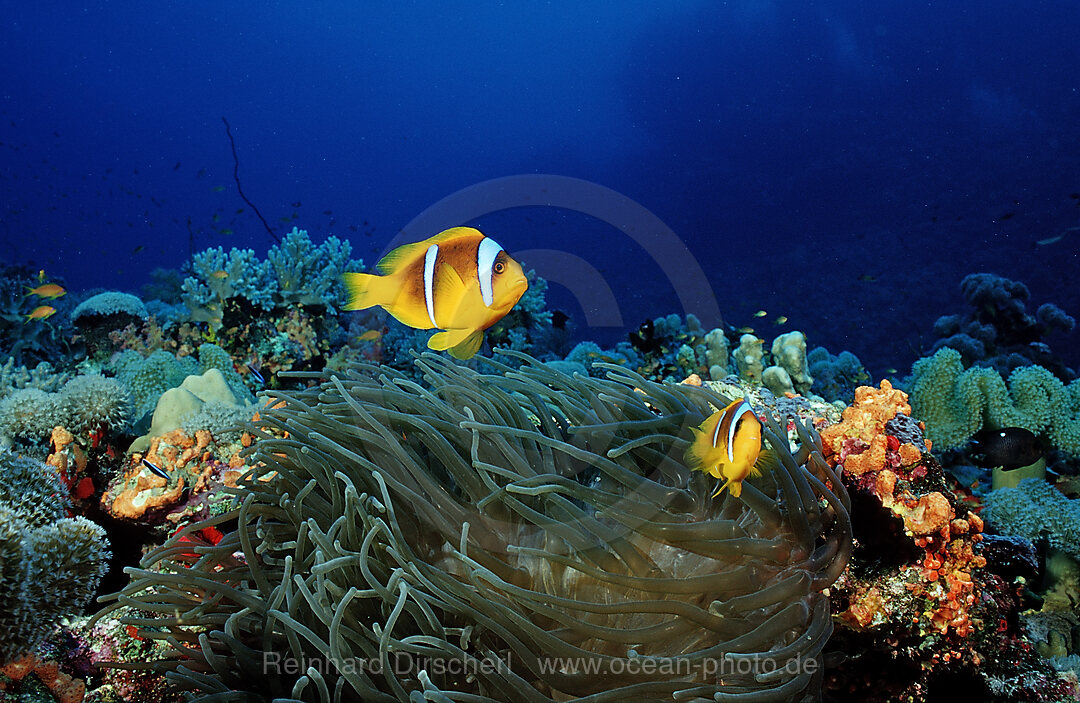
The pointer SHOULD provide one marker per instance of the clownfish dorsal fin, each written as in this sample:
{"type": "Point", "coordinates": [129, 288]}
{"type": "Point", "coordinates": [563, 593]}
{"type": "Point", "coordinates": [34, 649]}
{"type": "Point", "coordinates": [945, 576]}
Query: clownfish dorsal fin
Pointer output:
{"type": "Point", "coordinates": [406, 253]}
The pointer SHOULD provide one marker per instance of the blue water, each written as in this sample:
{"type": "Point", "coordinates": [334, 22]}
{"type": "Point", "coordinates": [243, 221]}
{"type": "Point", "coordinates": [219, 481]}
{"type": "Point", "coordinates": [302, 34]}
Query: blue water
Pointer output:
{"type": "Point", "coordinates": [790, 151]}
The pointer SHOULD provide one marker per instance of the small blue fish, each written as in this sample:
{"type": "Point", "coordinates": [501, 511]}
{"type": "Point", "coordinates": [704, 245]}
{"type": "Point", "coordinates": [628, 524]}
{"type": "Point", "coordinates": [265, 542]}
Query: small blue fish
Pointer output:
{"type": "Point", "coordinates": [154, 468]}
{"type": "Point", "coordinates": [255, 373]}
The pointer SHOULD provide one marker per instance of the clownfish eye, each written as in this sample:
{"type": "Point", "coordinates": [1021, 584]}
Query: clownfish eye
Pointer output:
{"type": "Point", "coordinates": [499, 267]}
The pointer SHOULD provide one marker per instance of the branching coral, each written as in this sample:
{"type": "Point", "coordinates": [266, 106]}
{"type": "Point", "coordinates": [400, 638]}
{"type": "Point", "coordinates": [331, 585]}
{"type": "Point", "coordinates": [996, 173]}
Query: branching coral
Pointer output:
{"type": "Point", "coordinates": [522, 536]}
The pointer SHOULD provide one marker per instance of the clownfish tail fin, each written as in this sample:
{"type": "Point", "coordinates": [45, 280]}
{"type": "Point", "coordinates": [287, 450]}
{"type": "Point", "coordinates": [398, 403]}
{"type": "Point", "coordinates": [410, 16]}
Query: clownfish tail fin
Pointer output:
{"type": "Point", "coordinates": [365, 290]}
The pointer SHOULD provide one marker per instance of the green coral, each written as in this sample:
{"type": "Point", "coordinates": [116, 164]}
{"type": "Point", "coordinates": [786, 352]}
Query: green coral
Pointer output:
{"type": "Point", "coordinates": [50, 564]}
{"type": "Point", "coordinates": [307, 274]}
{"type": "Point", "coordinates": [1035, 510]}
{"type": "Point", "coordinates": [956, 403]}
{"type": "Point", "coordinates": [27, 414]}
{"type": "Point", "coordinates": [211, 356]}
{"type": "Point", "coordinates": [110, 303]}
{"type": "Point", "coordinates": [148, 377]}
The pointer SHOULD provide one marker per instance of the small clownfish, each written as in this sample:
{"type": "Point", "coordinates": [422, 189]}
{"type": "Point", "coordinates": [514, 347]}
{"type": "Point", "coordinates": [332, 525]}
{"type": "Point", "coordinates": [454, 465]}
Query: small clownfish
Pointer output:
{"type": "Point", "coordinates": [459, 281]}
{"type": "Point", "coordinates": [727, 446]}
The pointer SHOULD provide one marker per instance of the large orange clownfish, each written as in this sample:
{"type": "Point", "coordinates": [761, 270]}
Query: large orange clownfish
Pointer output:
{"type": "Point", "coordinates": [459, 281]}
{"type": "Point", "coordinates": [727, 446]}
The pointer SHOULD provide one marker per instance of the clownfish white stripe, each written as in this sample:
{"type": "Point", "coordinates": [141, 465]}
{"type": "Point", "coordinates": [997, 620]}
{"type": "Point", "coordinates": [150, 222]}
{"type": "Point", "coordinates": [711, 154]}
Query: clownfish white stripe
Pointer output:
{"type": "Point", "coordinates": [485, 260]}
{"type": "Point", "coordinates": [740, 410]}
{"type": "Point", "coordinates": [429, 281]}
{"type": "Point", "coordinates": [716, 432]}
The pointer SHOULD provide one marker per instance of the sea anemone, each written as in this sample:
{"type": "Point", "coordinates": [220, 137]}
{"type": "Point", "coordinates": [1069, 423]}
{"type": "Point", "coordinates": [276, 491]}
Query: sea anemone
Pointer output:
{"type": "Point", "coordinates": [517, 536]}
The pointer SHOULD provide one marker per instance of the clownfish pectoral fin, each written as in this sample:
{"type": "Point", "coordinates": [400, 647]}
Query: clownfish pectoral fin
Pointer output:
{"type": "Point", "coordinates": [468, 347]}
{"type": "Point", "coordinates": [452, 339]}
{"type": "Point", "coordinates": [767, 461]}
{"type": "Point", "coordinates": [365, 290]}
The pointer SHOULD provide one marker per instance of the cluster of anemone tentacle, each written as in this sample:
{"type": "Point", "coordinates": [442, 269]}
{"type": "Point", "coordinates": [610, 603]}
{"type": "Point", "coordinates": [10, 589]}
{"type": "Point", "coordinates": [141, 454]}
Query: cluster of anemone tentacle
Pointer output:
{"type": "Point", "coordinates": [517, 536]}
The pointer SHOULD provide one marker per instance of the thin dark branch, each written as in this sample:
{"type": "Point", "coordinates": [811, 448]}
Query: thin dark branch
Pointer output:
{"type": "Point", "coordinates": [236, 177]}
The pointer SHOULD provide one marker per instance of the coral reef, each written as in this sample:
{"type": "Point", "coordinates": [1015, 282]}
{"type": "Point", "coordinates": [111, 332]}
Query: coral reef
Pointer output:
{"type": "Point", "coordinates": [919, 596]}
{"type": "Point", "coordinates": [998, 331]}
{"type": "Point", "coordinates": [50, 564]}
{"type": "Point", "coordinates": [296, 272]}
{"type": "Point", "coordinates": [789, 354]}
{"type": "Point", "coordinates": [836, 377]}
{"type": "Point", "coordinates": [177, 405]}
{"type": "Point", "coordinates": [956, 403]}
{"type": "Point", "coordinates": [518, 524]}
{"type": "Point", "coordinates": [108, 304]}
{"type": "Point", "coordinates": [34, 341]}
{"type": "Point", "coordinates": [88, 403]}
{"type": "Point", "coordinates": [59, 684]}
{"type": "Point", "coordinates": [749, 358]}
{"type": "Point", "coordinates": [1037, 511]}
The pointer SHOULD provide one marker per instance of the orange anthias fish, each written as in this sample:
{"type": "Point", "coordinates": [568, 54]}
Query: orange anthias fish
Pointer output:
{"type": "Point", "coordinates": [459, 281]}
{"type": "Point", "coordinates": [47, 290]}
{"type": "Point", "coordinates": [41, 312]}
{"type": "Point", "coordinates": [727, 446]}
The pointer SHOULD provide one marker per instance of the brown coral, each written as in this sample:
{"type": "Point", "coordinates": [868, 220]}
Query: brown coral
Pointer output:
{"type": "Point", "coordinates": [865, 418]}
{"type": "Point", "coordinates": [64, 687]}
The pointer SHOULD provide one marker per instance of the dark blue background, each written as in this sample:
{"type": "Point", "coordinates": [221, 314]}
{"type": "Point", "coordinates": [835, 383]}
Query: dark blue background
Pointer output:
{"type": "Point", "coordinates": [794, 147]}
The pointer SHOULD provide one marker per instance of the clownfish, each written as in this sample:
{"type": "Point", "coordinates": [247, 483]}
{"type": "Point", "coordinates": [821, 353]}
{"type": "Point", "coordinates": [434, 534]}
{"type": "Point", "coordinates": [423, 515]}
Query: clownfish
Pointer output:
{"type": "Point", "coordinates": [459, 281]}
{"type": "Point", "coordinates": [727, 446]}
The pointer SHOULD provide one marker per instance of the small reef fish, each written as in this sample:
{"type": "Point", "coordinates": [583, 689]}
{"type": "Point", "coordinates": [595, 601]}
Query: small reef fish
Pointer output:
{"type": "Point", "coordinates": [219, 274]}
{"type": "Point", "coordinates": [745, 330]}
{"type": "Point", "coordinates": [727, 446]}
{"type": "Point", "coordinates": [255, 373]}
{"type": "Point", "coordinates": [41, 312]}
{"type": "Point", "coordinates": [1010, 448]}
{"type": "Point", "coordinates": [47, 291]}
{"type": "Point", "coordinates": [369, 336]}
{"type": "Point", "coordinates": [780, 320]}
{"type": "Point", "coordinates": [459, 281]}
{"type": "Point", "coordinates": [155, 469]}
{"type": "Point", "coordinates": [760, 313]}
